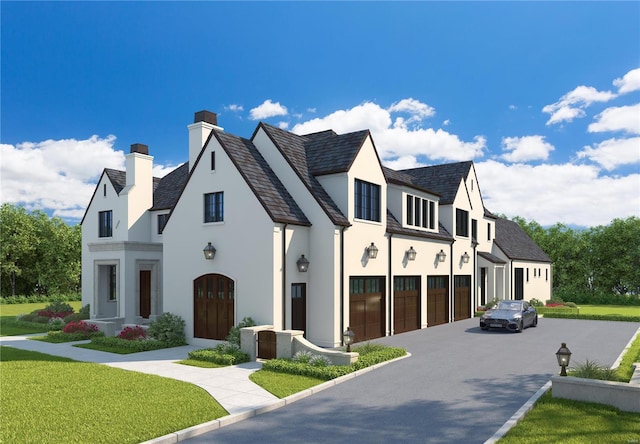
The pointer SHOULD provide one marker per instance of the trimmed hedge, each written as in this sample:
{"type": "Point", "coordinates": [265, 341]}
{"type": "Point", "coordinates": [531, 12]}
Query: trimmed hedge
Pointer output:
{"type": "Point", "coordinates": [60, 336]}
{"type": "Point", "coordinates": [135, 346]}
{"type": "Point", "coordinates": [547, 310]}
{"type": "Point", "coordinates": [40, 298]}
{"type": "Point", "coordinates": [593, 317]}
{"type": "Point", "coordinates": [222, 354]}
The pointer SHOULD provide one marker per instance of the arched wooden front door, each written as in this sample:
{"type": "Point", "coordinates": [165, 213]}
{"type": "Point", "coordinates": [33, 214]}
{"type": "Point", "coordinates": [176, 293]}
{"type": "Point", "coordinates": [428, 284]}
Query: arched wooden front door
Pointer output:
{"type": "Point", "coordinates": [213, 306]}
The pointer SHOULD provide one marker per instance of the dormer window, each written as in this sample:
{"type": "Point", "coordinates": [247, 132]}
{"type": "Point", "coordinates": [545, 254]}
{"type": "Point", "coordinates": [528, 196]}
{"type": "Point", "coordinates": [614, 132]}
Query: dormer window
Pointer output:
{"type": "Point", "coordinates": [420, 212]}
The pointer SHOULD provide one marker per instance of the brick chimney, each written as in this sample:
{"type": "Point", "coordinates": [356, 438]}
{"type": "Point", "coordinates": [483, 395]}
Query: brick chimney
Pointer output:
{"type": "Point", "coordinates": [203, 123]}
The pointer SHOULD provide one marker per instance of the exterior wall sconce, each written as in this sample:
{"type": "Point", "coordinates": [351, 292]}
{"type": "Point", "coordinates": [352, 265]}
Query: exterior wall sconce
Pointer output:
{"type": "Point", "coordinates": [465, 258]}
{"type": "Point", "coordinates": [564, 356]}
{"type": "Point", "coordinates": [347, 338]}
{"type": "Point", "coordinates": [372, 251]}
{"type": "Point", "coordinates": [209, 252]}
{"type": "Point", "coordinates": [303, 264]}
{"type": "Point", "coordinates": [442, 256]}
{"type": "Point", "coordinates": [411, 254]}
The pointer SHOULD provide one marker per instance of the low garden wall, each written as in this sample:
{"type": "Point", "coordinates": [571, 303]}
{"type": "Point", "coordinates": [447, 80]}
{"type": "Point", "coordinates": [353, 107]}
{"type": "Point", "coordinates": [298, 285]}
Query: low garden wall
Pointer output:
{"type": "Point", "coordinates": [109, 326]}
{"type": "Point", "coordinates": [288, 343]}
{"type": "Point", "coordinates": [622, 395]}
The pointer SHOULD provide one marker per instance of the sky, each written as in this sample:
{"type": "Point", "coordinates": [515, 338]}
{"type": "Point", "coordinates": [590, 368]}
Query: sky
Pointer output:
{"type": "Point", "coordinates": [544, 97]}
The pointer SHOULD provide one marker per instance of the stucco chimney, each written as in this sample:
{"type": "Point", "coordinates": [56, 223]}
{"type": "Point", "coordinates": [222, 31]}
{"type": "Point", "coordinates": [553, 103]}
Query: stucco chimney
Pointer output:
{"type": "Point", "coordinates": [203, 123]}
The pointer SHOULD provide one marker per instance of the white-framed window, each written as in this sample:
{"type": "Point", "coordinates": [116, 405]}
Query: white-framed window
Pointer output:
{"type": "Point", "coordinates": [420, 212]}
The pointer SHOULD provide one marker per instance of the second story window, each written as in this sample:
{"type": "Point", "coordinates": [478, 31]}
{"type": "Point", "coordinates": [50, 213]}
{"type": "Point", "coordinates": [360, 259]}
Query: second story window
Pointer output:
{"type": "Point", "coordinates": [162, 220]}
{"type": "Point", "coordinates": [462, 223]}
{"type": "Point", "coordinates": [105, 223]}
{"type": "Point", "coordinates": [367, 201]}
{"type": "Point", "coordinates": [214, 207]}
{"type": "Point", "coordinates": [420, 212]}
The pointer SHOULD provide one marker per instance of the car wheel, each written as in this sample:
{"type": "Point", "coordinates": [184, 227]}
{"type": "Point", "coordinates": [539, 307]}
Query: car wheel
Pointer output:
{"type": "Point", "coordinates": [484, 328]}
{"type": "Point", "coordinates": [535, 322]}
{"type": "Point", "coordinates": [520, 327]}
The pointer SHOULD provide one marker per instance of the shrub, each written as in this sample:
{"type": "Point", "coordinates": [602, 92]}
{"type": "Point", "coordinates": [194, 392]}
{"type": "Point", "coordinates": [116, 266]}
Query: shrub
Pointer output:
{"type": "Point", "coordinates": [73, 317]}
{"type": "Point", "coordinates": [303, 356]}
{"type": "Point", "coordinates": [41, 319]}
{"type": "Point", "coordinates": [132, 346]}
{"type": "Point", "coordinates": [223, 354]}
{"type": "Point", "coordinates": [491, 303]}
{"type": "Point", "coordinates": [56, 324]}
{"type": "Point", "coordinates": [569, 314]}
{"type": "Point", "coordinates": [133, 333]}
{"type": "Point", "coordinates": [571, 304]}
{"type": "Point", "coordinates": [319, 361]}
{"type": "Point", "coordinates": [85, 310]}
{"type": "Point", "coordinates": [168, 328]}
{"type": "Point", "coordinates": [593, 370]}
{"type": "Point", "coordinates": [69, 337]}
{"type": "Point", "coordinates": [79, 327]}
{"type": "Point", "coordinates": [234, 332]}
{"type": "Point", "coordinates": [536, 302]}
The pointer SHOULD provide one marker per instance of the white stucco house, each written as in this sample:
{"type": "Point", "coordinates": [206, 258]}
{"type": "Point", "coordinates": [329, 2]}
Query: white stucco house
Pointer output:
{"type": "Point", "coordinates": [303, 232]}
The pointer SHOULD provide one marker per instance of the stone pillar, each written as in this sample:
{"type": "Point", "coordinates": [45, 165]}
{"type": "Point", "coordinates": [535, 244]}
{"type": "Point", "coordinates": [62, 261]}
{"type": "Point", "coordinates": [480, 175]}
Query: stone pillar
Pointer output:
{"type": "Point", "coordinates": [284, 343]}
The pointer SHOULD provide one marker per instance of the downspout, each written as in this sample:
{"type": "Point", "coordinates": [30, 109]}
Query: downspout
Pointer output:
{"type": "Point", "coordinates": [390, 285]}
{"type": "Point", "coordinates": [475, 281]}
{"type": "Point", "coordinates": [284, 276]}
{"type": "Point", "coordinates": [342, 328]}
{"type": "Point", "coordinates": [511, 280]}
{"type": "Point", "coordinates": [452, 292]}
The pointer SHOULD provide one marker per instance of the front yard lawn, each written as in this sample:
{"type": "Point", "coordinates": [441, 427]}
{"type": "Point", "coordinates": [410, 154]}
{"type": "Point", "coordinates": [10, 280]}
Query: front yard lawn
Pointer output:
{"type": "Point", "coordinates": [50, 399]}
{"type": "Point", "coordinates": [623, 310]}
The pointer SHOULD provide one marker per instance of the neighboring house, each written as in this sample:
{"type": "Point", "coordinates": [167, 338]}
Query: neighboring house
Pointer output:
{"type": "Point", "coordinates": [300, 232]}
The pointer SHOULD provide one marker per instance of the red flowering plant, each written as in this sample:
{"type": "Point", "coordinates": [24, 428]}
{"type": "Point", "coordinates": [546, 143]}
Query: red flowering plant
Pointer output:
{"type": "Point", "coordinates": [56, 309]}
{"type": "Point", "coordinates": [80, 327]}
{"type": "Point", "coordinates": [133, 333]}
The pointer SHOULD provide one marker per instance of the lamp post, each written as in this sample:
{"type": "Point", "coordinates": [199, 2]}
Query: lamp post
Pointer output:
{"type": "Point", "coordinates": [347, 338]}
{"type": "Point", "coordinates": [303, 264]}
{"type": "Point", "coordinates": [564, 356]}
{"type": "Point", "coordinates": [209, 252]}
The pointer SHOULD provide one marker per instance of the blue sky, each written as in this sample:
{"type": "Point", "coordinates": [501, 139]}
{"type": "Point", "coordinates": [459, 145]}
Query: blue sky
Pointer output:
{"type": "Point", "coordinates": [543, 97]}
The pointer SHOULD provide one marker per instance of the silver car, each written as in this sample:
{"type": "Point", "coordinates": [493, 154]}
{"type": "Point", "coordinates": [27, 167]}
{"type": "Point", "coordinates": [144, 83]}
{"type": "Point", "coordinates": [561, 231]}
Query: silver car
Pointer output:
{"type": "Point", "coordinates": [512, 315]}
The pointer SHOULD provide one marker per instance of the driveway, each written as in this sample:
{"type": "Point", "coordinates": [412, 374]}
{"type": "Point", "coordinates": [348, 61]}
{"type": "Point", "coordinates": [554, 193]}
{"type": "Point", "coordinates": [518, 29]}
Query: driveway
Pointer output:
{"type": "Point", "coordinates": [460, 385]}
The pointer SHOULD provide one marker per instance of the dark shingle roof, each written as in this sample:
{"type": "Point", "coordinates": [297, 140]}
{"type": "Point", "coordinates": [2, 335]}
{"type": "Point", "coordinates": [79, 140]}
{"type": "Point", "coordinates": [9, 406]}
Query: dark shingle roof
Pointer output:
{"type": "Point", "coordinates": [402, 178]}
{"type": "Point", "coordinates": [264, 183]}
{"type": "Point", "coordinates": [395, 227]}
{"type": "Point", "coordinates": [294, 152]}
{"type": "Point", "coordinates": [516, 243]}
{"type": "Point", "coordinates": [167, 191]}
{"type": "Point", "coordinates": [118, 179]}
{"type": "Point", "coordinates": [329, 153]}
{"type": "Point", "coordinates": [443, 179]}
{"type": "Point", "coordinates": [491, 258]}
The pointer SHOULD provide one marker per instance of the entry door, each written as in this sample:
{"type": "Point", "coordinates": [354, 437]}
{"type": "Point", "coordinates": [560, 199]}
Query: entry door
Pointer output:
{"type": "Point", "coordinates": [299, 307]}
{"type": "Point", "coordinates": [145, 293]}
{"type": "Point", "coordinates": [519, 284]}
{"type": "Point", "coordinates": [213, 306]}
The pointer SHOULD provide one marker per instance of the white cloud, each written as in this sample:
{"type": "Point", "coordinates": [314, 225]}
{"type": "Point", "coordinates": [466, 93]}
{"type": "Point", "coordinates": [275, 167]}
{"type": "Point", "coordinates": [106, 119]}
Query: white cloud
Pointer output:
{"type": "Point", "coordinates": [571, 105]}
{"type": "Point", "coordinates": [235, 108]}
{"type": "Point", "coordinates": [525, 149]}
{"type": "Point", "coordinates": [513, 107]}
{"type": "Point", "coordinates": [613, 153]}
{"type": "Point", "coordinates": [58, 175]}
{"type": "Point", "coordinates": [283, 125]}
{"type": "Point", "coordinates": [268, 109]}
{"type": "Point", "coordinates": [566, 193]}
{"type": "Point", "coordinates": [630, 82]}
{"type": "Point", "coordinates": [417, 109]}
{"type": "Point", "coordinates": [311, 110]}
{"type": "Point", "coordinates": [393, 138]}
{"type": "Point", "coordinates": [446, 122]}
{"type": "Point", "coordinates": [620, 118]}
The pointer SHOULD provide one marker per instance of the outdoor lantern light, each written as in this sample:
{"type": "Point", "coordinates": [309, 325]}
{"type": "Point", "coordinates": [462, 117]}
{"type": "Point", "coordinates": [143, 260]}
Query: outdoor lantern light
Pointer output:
{"type": "Point", "coordinates": [303, 264]}
{"type": "Point", "coordinates": [209, 252]}
{"type": "Point", "coordinates": [411, 254]}
{"type": "Point", "coordinates": [372, 251]}
{"type": "Point", "coordinates": [465, 258]}
{"type": "Point", "coordinates": [564, 356]}
{"type": "Point", "coordinates": [347, 338]}
{"type": "Point", "coordinates": [442, 256]}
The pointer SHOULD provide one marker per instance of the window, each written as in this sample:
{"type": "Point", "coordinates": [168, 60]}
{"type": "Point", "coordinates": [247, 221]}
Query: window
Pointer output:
{"type": "Point", "coordinates": [113, 279]}
{"type": "Point", "coordinates": [488, 231]}
{"type": "Point", "coordinates": [104, 190]}
{"type": "Point", "coordinates": [420, 212]}
{"type": "Point", "coordinates": [474, 229]}
{"type": "Point", "coordinates": [367, 201]}
{"type": "Point", "coordinates": [528, 274]}
{"type": "Point", "coordinates": [214, 207]}
{"type": "Point", "coordinates": [213, 160]}
{"type": "Point", "coordinates": [162, 220]}
{"type": "Point", "coordinates": [105, 223]}
{"type": "Point", "coordinates": [546, 274]}
{"type": "Point", "coordinates": [462, 223]}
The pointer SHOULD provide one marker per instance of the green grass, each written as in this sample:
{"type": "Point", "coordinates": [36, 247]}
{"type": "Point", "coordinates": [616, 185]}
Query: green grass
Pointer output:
{"type": "Point", "coordinates": [9, 326]}
{"type": "Point", "coordinates": [624, 310]}
{"type": "Point", "coordinates": [283, 384]}
{"type": "Point", "coordinates": [52, 339]}
{"type": "Point", "coordinates": [199, 363]}
{"type": "Point", "coordinates": [107, 348]}
{"type": "Point", "coordinates": [49, 399]}
{"type": "Point", "coordinates": [556, 420]}
{"type": "Point", "coordinates": [7, 310]}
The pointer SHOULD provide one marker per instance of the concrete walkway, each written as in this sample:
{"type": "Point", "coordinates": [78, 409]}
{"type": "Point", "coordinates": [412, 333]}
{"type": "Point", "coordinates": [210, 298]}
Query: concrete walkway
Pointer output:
{"type": "Point", "coordinates": [230, 386]}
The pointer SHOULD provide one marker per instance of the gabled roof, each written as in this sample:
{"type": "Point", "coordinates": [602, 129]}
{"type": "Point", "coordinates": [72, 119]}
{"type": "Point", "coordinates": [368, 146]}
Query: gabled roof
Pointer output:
{"type": "Point", "coordinates": [264, 183]}
{"type": "Point", "coordinates": [443, 179]}
{"type": "Point", "coordinates": [329, 153]}
{"type": "Point", "coordinates": [167, 192]}
{"type": "Point", "coordinates": [395, 227]}
{"type": "Point", "coordinates": [293, 150]}
{"type": "Point", "coordinates": [516, 243]}
{"type": "Point", "coordinates": [491, 258]}
{"type": "Point", "coordinates": [117, 178]}
{"type": "Point", "coordinates": [402, 178]}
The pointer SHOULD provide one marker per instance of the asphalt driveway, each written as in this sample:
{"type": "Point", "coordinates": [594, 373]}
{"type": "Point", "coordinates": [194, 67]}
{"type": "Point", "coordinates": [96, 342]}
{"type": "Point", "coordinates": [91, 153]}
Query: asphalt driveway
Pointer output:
{"type": "Point", "coordinates": [460, 385]}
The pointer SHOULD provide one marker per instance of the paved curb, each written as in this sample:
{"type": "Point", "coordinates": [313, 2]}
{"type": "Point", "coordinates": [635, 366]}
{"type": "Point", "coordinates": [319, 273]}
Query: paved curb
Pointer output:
{"type": "Point", "coordinates": [191, 432]}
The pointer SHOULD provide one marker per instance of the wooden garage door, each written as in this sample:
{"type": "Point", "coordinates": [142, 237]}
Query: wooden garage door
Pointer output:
{"type": "Point", "coordinates": [406, 303]}
{"type": "Point", "coordinates": [437, 300]}
{"type": "Point", "coordinates": [366, 308]}
{"type": "Point", "coordinates": [462, 297]}
{"type": "Point", "coordinates": [213, 306]}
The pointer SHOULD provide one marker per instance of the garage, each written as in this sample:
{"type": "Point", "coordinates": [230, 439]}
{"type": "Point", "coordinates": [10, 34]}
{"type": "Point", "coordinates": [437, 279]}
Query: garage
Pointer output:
{"type": "Point", "coordinates": [437, 300]}
{"type": "Point", "coordinates": [366, 307]}
{"type": "Point", "coordinates": [406, 303]}
{"type": "Point", "coordinates": [461, 297]}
